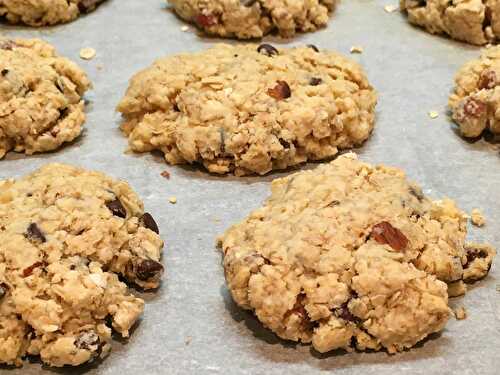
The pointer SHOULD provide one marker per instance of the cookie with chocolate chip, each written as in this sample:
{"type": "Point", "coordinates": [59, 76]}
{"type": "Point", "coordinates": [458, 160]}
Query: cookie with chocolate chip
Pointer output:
{"type": "Point", "coordinates": [351, 256]}
{"type": "Point", "coordinates": [475, 102]}
{"type": "Point", "coordinates": [46, 12]}
{"type": "Point", "coordinates": [245, 19]}
{"type": "Point", "coordinates": [41, 104]}
{"type": "Point", "coordinates": [249, 109]}
{"type": "Point", "coordinates": [68, 237]}
{"type": "Point", "coordinates": [475, 21]}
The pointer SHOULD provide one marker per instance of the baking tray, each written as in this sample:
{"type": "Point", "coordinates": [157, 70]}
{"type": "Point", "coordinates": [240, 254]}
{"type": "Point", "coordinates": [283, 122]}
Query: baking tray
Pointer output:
{"type": "Point", "coordinates": [191, 325]}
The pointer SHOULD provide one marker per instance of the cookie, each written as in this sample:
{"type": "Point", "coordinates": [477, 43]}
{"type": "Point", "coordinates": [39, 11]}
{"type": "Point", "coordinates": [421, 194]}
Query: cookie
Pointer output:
{"type": "Point", "coordinates": [351, 256]}
{"type": "Point", "coordinates": [245, 19]}
{"type": "Point", "coordinates": [473, 21]}
{"type": "Point", "coordinates": [46, 12]}
{"type": "Point", "coordinates": [66, 236]}
{"type": "Point", "coordinates": [249, 109]}
{"type": "Point", "coordinates": [41, 105]}
{"type": "Point", "coordinates": [475, 102]}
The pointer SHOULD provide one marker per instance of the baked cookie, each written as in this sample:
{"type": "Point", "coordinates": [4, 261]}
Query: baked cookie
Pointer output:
{"type": "Point", "coordinates": [472, 21]}
{"type": "Point", "coordinates": [351, 256]}
{"type": "Point", "coordinates": [45, 12]}
{"type": "Point", "coordinates": [249, 109]}
{"type": "Point", "coordinates": [41, 104]}
{"type": "Point", "coordinates": [245, 19]}
{"type": "Point", "coordinates": [66, 235]}
{"type": "Point", "coordinates": [475, 102]}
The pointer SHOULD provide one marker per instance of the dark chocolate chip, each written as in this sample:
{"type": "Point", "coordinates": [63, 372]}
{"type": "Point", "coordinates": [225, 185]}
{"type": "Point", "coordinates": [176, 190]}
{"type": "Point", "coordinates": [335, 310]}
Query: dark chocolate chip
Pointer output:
{"type": "Point", "coordinates": [4, 72]}
{"type": "Point", "coordinates": [88, 340]}
{"type": "Point", "coordinates": [147, 269]}
{"type": "Point", "coordinates": [34, 234]}
{"type": "Point", "coordinates": [147, 221]}
{"type": "Point", "coordinates": [116, 208]}
{"type": "Point", "coordinates": [284, 143]}
{"type": "Point", "coordinates": [313, 47]}
{"type": "Point", "coordinates": [280, 91]}
{"type": "Point", "coordinates": [315, 81]}
{"type": "Point", "coordinates": [267, 49]}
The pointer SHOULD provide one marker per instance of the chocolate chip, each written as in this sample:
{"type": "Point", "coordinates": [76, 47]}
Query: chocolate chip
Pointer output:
{"type": "Point", "coordinates": [206, 20]}
{"type": "Point", "coordinates": [4, 288]}
{"type": "Point", "coordinates": [280, 91]}
{"type": "Point", "coordinates": [315, 81]}
{"type": "Point", "coordinates": [88, 340]}
{"type": "Point", "coordinates": [29, 271]}
{"type": "Point", "coordinates": [313, 47]}
{"type": "Point", "coordinates": [34, 234]}
{"type": "Point", "coordinates": [147, 269]}
{"type": "Point", "coordinates": [416, 192]}
{"type": "Point", "coordinates": [4, 72]}
{"type": "Point", "coordinates": [473, 254]}
{"type": "Point", "coordinates": [267, 49]}
{"type": "Point", "coordinates": [147, 221]}
{"type": "Point", "coordinates": [487, 80]}
{"type": "Point", "coordinates": [165, 174]}
{"type": "Point", "coordinates": [284, 143]}
{"type": "Point", "coordinates": [116, 208]}
{"type": "Point", "coordinates": [385, 233]}
{"type": "Point", "coordinates": [247, 3]}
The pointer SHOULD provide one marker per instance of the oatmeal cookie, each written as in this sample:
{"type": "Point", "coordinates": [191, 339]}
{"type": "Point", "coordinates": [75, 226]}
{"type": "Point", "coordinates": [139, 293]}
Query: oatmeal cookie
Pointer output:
{"type": "Point", "coordinates": [472, 21]}
{"type": "Point", "coordinates": [349, 255]}
{"type": "Point", "coordinates": [249, 109]}
{"type": "Point", "coordinates": [41, 105]}
{"type": "Point", "coordinates": [475, 102]}
{"type": "Point", "coordinates": [66, 235]}
{"type": "Point", "coordinates": [45, 12]}
{"type": "Point", "coordinates": [245, 19]}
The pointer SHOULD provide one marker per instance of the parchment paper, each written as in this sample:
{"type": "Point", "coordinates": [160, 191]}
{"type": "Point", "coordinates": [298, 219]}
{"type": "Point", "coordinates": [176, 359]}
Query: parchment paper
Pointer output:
{"type": "Point", "coordinates": [191, 326]}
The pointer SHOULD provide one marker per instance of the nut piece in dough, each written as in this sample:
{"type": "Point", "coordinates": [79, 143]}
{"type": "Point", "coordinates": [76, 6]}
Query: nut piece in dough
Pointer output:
{"type": "Point", "coordinates": [249, 109]}
{"type": "Point", "coordinates": [41, 105]}
{"type": "Point", "coordinates": [66, 235]}
{"type": "Point", "coordinates": [475, 102]}
{"type": "Point", "coordinates": [350, 255]}
{"type": "Point", "coordinates": [246, 19]}
{"type": "Point", "coordinates": [45, 12]}
{"type": "Point", "coordinates": [472, 21]}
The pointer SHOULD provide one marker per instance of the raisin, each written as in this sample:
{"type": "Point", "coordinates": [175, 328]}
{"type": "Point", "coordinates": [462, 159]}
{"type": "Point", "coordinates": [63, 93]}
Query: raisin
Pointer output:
{"type": "Point", "coordinates": [34, 234]}
{"type": "Point", "coordinates": [267, 49]}
{"type": "Point", "coordinates": [474, 108]}
{"type": "Point", "coordinates": [487, 79]}
{"type": "Point", "coordinates": [29, 271]}
{"type": "Point", "coordinates": [313, 47]}
{"type": "Point", "coordinates": [147, 221]}
{"type": "Point", "coordinates": [147, 269]}
{"type": "Point", "coordinates": [343, 312]}
{"type": "Point", "coordinates": [205, 20]}
{"type": "Point", "coordinates": [385, 233]}
{"type": "Point", "coordinates": [280, 91]}
{"type": "Point", "coordinates": [116, 208]}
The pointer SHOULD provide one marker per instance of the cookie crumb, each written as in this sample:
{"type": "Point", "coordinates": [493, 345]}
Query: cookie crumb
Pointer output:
{"type": "Point", "coordinates": [87, 53]}
{"type": "Point", "coordinates": [188, 340]}
{"type": "Point", "coordinates": [172, 200]}
{"type": "Point", "coordinates": [477, 218]}
{"type": "Point", "coordinates": [390, 8]}
{"type": "Point", "coordinates": [99, 67]}
{"type": "Point", "coordinates": [185, 28]}
{"type": "Point", "coordinates": [433, 114]}
{"type": "Point", "coordinates": [460, 313]}
{"type": "Point", "coordinates": [165, 174]}
{"type": "Point", "coordinates": [498, 287]}
{"type": "Point", "coordinates": [356, 49]}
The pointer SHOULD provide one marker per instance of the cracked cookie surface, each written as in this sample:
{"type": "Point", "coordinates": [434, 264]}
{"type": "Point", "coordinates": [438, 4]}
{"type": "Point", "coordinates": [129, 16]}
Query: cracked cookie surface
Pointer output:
{"type": "Point", "coordinates": [472, 21]}
{"type": "Point", "coordinates": [41, 105]}
{"type": "Point", "coordinates": [349, 255]}
{"type": "Point", "coordinates": [245, 19]}
{"type": "Point", "coordinates": [475, 102]}
{"type": "Point", "coordinates": [66, 235]}
{"type": "Point", "coordinates": [45, 12]}
{"type": "Point", "coordinates": [249, 109]}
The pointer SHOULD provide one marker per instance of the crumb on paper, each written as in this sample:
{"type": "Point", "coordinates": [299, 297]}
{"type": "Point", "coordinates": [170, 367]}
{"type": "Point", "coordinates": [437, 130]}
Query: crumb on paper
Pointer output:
{"type": "Point", "coordinates": [498, 287]}
{"type": "Point", "coordinates": [433, 114]}
{"type": "Point", "coordinates": [390, 8]}
{"type": "Point", "coordinates": [99, 67]}
{"type": "Point", "coordinates": [477, 218]}
{"type": "Point", "coordinates": [188, 340]}
{"type": "Point", "coordinates": [356, 49]}
{"type": "Point", "coordinates": [87, 53]}
{"type": "Point", "coordinates": [165, 174]}
{"type": "Point", "coordinates": [460, 313]}
{"type": "Point", "coordinates": [185, 28]}
{"type": "Point", "coordinates": [172, 200]}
